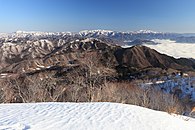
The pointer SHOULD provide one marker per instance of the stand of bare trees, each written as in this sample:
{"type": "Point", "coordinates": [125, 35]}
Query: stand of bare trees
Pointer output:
{"type": "Point", "coordinates": [48, 90]}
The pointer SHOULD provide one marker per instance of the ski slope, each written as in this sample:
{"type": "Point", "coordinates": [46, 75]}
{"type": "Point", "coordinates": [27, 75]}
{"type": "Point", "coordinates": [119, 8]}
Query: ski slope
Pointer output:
{"type": "Point", "coordinates": [88, 116]}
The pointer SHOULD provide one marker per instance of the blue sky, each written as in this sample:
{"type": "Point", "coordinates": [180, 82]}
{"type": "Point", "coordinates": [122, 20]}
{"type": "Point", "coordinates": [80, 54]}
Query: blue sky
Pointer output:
{"type": "Point", "coordinates": [76, 15]}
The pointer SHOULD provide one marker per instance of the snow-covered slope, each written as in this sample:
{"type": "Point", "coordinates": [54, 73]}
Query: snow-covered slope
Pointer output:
{"type": "Point", "coordinates": [177, 50]}
{"type": "Point", "coordinates": [182, 86]}
{"type": "Point", "coordinates": [88, 116]}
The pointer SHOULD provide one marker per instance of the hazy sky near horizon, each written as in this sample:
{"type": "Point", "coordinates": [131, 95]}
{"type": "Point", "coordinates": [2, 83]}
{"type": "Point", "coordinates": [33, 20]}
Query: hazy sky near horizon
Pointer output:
{"type": "Point", "coordinates": [76, 15]}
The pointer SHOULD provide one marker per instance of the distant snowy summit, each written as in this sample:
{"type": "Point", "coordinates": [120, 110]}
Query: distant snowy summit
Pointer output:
{"type": "Point", "coordinates": [117, 36]}
{"type": "Point", "coordinates": [21, 33]}
{"type": "Point", "coordinates": [97, 32]}
{"type": "Point", "coordinates": [146, 31]}
{"type": "Point", "coordinates": [109, 32]}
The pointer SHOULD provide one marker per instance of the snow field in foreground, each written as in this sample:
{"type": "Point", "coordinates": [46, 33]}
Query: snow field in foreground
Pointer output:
{"type": "Point", "coordinates": [88, 116]}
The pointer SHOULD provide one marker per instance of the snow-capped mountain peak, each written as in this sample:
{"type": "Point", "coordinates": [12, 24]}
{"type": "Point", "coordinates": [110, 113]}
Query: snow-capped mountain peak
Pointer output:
{"type": "Point", "coordinates": [20, 33]}
{"type": "Point", "coordinates": [146, 31]}
{"type": "Point", "coordinates": [97, 32]}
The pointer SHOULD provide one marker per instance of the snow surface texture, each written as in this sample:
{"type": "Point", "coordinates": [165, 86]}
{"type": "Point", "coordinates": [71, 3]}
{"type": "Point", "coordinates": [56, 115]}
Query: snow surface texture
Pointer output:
{"type": "Point", "coordinates": [177, 50]}
{"type": "Point", "coordinates": [88, 116]}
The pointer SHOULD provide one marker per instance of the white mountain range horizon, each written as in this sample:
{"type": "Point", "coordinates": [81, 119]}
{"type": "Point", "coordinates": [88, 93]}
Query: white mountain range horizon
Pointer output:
{"type": "Point", "coordinates": [82, 31]}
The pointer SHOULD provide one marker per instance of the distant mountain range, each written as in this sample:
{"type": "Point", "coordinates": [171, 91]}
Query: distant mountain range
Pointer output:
{"type": "Point", "coordinates": [32, 56]}
{"type": "Point", "coordinates": [116, 36]}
